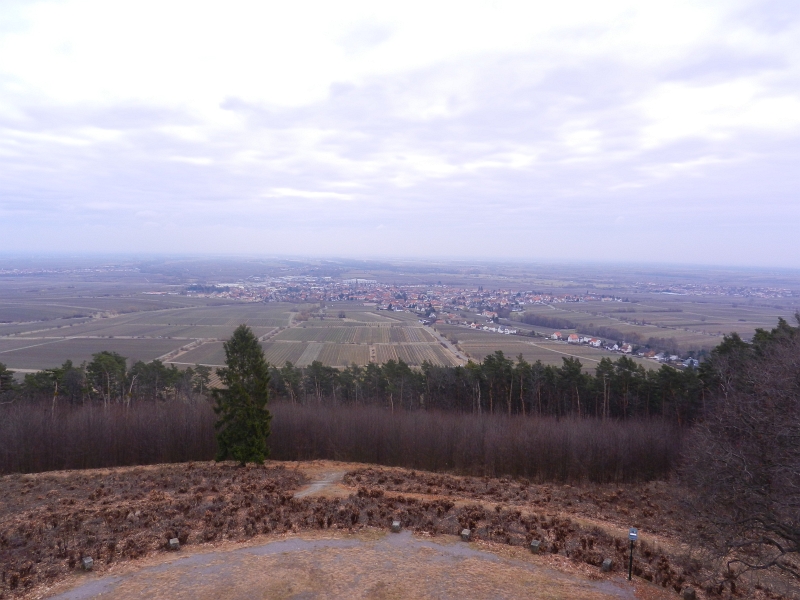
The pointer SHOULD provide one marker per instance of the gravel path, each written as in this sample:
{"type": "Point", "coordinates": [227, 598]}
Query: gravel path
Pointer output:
{"type": "Point", "coordinates": [385, 566]}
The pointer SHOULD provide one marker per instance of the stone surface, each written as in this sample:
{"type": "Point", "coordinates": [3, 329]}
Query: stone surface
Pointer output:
{"type": "Point", "coordinates": [396, 526]}
{"type": "Point", "coordinates": [466, 534]}
{"type": "Point", "coordinates": [536, 546]}
{"type": "Point", "coordinates": [174, 544]}
{"type": "Point", "coordinates": [689, 594]}
{"type": "Point", "coordinates": [607, 564]}
{"type": "Point", "coordinates": [87, 563]}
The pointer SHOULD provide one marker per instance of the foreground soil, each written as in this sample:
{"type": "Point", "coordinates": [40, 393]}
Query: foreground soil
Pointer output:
{"type": "Point", "coordinates": [123, 518]}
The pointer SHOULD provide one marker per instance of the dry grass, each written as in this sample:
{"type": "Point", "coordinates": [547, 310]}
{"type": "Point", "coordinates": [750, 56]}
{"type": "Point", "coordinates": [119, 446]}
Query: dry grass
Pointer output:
{"type": "Point", "coordinates": [49, 520]}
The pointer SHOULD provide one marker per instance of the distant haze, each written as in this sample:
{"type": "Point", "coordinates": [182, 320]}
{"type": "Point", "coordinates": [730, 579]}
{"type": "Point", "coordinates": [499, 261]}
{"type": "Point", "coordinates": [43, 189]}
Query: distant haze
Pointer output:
{"type": "Point", "coordinates": [625, 131]}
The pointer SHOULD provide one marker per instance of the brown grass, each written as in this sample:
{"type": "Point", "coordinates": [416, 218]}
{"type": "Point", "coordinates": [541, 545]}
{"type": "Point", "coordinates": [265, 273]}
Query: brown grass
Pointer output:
{"type": "Point", "coordinates": [48, 521]}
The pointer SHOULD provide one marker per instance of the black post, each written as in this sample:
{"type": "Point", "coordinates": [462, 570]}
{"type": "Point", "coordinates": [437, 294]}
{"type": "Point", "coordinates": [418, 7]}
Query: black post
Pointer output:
{"type": "Point", "coordinates": [630, 563]}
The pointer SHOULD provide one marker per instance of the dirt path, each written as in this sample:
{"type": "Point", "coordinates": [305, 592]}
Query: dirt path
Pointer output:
{"type": "Point", "coordinates": [351, 566]}
{"type": "Point", "coordinates": [322, 484]}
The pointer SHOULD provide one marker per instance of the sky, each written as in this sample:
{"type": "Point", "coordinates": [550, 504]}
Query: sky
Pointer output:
{"type": "Point", "coordinates": [570, 130]}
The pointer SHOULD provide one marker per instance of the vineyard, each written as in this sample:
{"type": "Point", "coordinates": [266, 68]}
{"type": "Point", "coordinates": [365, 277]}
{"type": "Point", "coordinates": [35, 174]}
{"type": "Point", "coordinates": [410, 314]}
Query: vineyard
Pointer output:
{"type": "Point", "coordinates": [342, 355]}
{"type": "Point", "coordinates": [414, 354]}
{"type": "Point", "coordinates": [278, 353]}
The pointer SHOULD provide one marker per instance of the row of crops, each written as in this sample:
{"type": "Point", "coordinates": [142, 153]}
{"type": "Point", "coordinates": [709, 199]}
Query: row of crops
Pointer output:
{"type": "Point", "coordinates": [356, 335]}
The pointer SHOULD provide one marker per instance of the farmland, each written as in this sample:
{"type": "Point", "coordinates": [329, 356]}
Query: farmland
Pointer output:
{"type": "Point", "coordinates": [478, 344]}
{"type": "Point", "coordinates": [415, 354]}
{"type": "Point", "coordinates": [140, 335]}
{"type": "Point", "coordinates": [147, 310]}
{"type": "Point", "coordinates": [693, 324]}
{"type": "Point", "coordinates": [366, 334]}
{"type": "Point", "coordinates": [43, 354]}
{"type": "Point", "coordinates": [163, 332]}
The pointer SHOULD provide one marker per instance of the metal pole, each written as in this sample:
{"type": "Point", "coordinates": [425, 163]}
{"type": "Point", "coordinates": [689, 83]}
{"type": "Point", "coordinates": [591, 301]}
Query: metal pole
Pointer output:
{"type": "Point", "coordinates": [630, 563]}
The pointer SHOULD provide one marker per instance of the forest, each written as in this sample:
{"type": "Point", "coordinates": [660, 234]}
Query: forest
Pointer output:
{"type": "Point", "coordinates": [497, 385]}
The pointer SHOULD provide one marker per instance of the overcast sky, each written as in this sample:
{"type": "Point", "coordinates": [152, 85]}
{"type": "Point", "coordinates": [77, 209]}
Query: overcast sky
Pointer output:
{"type": "Point", "coordinates": [644, 131]}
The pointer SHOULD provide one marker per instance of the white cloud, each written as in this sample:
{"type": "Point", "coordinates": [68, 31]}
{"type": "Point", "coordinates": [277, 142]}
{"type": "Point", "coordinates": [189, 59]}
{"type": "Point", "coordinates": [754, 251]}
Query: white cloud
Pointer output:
{"type": "Point", "coordinates": [718, 112]}
{"type": "Point", "coordinates": [546, 115]}
{"type": "Point", "coordinates": [309, 194]}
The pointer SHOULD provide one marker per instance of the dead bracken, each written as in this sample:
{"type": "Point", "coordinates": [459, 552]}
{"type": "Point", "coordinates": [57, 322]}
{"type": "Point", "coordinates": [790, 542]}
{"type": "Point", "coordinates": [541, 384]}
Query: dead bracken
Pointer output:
{"type": "Point", "coordinates": [49, 522]}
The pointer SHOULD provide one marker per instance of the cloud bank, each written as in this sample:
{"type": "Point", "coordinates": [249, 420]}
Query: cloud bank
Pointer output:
{"type": "Point", "coordinates": [582, 130]}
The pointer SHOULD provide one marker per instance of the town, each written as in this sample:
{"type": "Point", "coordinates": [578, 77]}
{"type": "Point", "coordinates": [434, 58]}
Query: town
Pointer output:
{"type": "Point", "coordinates": [495, 310]}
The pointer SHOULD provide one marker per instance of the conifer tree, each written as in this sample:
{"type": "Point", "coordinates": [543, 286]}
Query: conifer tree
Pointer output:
{"type": "Point", "coordinates": [243, 424]}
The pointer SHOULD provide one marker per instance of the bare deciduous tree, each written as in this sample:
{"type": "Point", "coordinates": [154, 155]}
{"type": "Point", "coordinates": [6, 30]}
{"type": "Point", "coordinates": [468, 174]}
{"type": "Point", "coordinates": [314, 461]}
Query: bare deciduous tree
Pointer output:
{"type": "Point", "coordinates": [743, 460]}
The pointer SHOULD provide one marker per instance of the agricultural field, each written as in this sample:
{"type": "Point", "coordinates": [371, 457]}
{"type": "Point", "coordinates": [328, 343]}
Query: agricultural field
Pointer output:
{"type": "Point", "coordinates": [37, 305]}
{"type": "Point", "coordinates": [343, 355]}
{"type": "Point", "coordinates": [24, 313]}
{"type": "Point", "coordinates": [209, 353]}
{"type": "Point", "coordinates": [415, 354]}
{"type": "Point", "coordinates": [8, 329]}
{"type": "Point", "coordinates": [693, 324]}
{"type": "Point", "coordinates": [372, 316]}
{"type": "Point", "coordinates": [151, 312]}
{"type": "Point", "coordinates": [365, 334]}
{"type": "Point", "coordinates": [194, 322]}
{"type": "Point", "coordinates": [337, 335]}
{"type": "Point", "coordinates": [479, 344]}
{"type": "Point", "coordinates": [140, 335]}
{"type": "Point", "coordinates": [213, 354]}
{"type": "Point", "coordinates": [45, 354]}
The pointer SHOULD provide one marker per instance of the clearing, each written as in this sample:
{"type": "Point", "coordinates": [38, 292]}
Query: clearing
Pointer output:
{"type": "Point", "coordinates": [320, 529]}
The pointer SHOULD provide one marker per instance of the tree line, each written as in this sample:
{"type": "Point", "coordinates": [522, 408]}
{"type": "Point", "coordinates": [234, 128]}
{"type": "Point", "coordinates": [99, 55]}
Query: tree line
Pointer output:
{"type": "Point", "coordinates": [500, 385]}
{"type": "Point", "coordinates": [496, 385]}
{"type": "Point", "coordinates": [620, 388]}
{"type": "Point", "coordinates": [107, 378]}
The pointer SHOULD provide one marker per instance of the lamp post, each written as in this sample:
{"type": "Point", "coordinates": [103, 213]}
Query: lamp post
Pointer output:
{"type": "Point", "coordinates": [633, 535]}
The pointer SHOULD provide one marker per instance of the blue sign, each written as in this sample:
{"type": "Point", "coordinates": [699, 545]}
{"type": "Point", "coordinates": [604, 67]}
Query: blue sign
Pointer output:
{"type": "Point", "coordinates": [633, 534]}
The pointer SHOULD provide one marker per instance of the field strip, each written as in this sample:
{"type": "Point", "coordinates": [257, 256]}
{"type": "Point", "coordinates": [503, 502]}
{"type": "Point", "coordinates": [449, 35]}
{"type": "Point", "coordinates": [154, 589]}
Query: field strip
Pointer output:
{"type": "Point", "coordinates": [658, 309]}
{"type": "Point", "coordinates": [310, 354]}
{"type": "Point", "coordinates": [564, 353]}
{"type": "Point", "coordinates": [196, 343]}
{"type": "Point", "coordinates": [35, 345]}
{"type": "Point", "coordinates": [174, 362]}
{"type": "Point", "coordinates": [106, 337]}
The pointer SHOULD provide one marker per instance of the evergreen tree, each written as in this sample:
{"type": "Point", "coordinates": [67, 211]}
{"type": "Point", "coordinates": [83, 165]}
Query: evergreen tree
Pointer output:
{"type": "Point", "coordinates": [6, 379]}
{"type": "Point", "coordinates": [243, 425]}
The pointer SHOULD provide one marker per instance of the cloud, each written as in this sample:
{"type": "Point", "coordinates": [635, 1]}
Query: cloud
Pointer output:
{"type": "Point", "coordinates": [494, 129]}
{"type": "Point", "coordinates": [311, 195]}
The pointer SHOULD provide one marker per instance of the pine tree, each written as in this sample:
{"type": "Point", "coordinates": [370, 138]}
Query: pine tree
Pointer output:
{"type": "Point", "coordinates": [243, 425]}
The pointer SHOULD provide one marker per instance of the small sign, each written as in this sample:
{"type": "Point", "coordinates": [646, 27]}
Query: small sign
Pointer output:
{"type": "Point", "coordinates": [633, 534]}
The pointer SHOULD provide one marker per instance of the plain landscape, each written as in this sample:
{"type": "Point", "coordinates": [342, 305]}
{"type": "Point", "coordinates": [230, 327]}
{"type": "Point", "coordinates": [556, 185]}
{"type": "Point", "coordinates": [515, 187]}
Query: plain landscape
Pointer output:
{"type": "Point", "coordinates": [180, 312]}
{"type": "Point", "coordinates": [520, 404]}
{"type": "Point", "coordinates": [387, 300]}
